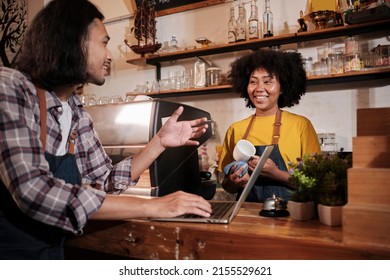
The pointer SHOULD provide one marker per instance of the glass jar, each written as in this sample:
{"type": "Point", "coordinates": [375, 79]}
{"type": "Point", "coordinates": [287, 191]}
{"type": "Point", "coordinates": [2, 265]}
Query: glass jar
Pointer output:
{"type": "Point", "coordinates": [308, 65]}
{"type": "Point", "coordinates": [327, 49]}
{"type": "Point", "coordinates": [200, 73]}
{"type": "Point", "coordinates": [320, 68]}
{"type": "Point", "coordinates": [165, 47]}
{"type": "Point", "coordinates": [336, 63]}
{"type": "Point", "coordinates": [369, 59]}
{"type": "Point", "coordinates": [325, 66]}
{"type": "Point", "coordinates": [320, 53]}
{"type": "Point", "coordinates": [352, 63]}
{"type": "Point", "coordinates": [351, 45]}
{"type": "Point", "coordinates": [317, 69]}
{"type": "Point", "coordinates": [213, 76]}
{"type": "Point", "coordinates": [173, 44]}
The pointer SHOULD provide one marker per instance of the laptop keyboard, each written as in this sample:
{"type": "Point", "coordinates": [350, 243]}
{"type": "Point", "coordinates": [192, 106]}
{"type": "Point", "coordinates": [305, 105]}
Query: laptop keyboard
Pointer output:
{"type": "Point", "coordinates": [219, 209]}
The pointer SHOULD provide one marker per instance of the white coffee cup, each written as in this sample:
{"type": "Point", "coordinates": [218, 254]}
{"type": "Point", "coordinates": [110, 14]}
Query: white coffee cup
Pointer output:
{"type": "Point", "coordinates": [244, 150]}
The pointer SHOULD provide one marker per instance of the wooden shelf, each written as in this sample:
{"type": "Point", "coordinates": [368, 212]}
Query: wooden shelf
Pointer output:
{"type": "Point", "coordinates": [346, 80]}
{"type": "Point", "coordinates": [366, 77]}
{"type": "Point", "coordinates": [187, 92]}
{"type": "Point", "coordinates": [367, 74]}
{"type": "Point", "coordinates": [347, 30]}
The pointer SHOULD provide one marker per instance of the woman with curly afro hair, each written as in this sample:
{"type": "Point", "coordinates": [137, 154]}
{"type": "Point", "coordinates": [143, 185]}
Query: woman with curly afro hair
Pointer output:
{"type": "Point", "coordinates": [268, 81]}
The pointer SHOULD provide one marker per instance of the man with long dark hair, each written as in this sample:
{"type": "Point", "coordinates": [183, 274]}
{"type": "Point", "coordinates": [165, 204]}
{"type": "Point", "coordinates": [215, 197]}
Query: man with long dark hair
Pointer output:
{"type": "Point", "coordinates": [54, 173]}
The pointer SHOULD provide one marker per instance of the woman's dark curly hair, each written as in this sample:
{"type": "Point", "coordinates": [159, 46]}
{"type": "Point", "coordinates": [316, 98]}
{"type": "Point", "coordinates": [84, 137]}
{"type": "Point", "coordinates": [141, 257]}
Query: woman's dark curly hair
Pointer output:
{"type": "Point", "coordinates": [286, 67]}
{"type": "Point", "coordinates": [53, 52]}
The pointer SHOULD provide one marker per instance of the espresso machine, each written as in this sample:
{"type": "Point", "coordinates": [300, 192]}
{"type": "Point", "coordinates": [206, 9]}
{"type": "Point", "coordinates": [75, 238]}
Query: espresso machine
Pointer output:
{"type": "Point", "coordinates": [125, 128]}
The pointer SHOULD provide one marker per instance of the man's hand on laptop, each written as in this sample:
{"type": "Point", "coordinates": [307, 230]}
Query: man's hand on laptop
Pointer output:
{"type": "Point", "coordinates": [179, 203]}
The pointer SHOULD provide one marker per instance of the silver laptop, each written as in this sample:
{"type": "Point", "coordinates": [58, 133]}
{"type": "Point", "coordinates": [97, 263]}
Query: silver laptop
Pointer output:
{"type": "Point", "coordinates": [225, 211]}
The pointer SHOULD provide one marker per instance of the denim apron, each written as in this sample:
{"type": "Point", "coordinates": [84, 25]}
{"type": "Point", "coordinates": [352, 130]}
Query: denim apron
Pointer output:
{"type": "Point", "coordinates": [266, 187]}
{"type": "Point", "coordinates": [22, 237]}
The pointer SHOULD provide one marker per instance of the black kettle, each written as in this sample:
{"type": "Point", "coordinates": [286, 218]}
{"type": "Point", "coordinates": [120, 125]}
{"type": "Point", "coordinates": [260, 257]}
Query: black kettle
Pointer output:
{"type": "Point", "coordinates": [274, 207]}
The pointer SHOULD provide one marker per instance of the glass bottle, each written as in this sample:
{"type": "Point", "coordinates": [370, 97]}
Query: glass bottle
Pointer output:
{"type": "Point", "coordinates": [351, 45]}
{"type": "Point", "coordinates": [253, 22]}
{"type": "Point", "coordinates": [308, 65]}
{"type": "Point", "coordinates": [200, 73]}
{"type": "Point", "coordinates": [241, 23]}
{"type": "Point", "coordinates": [173, 44]}
{"type": "Point", "coordinates": [336, 62]}
{"type": "Point", "coordinates": [232, 27]}
{"type": "Point", "coordinates": [268, 21]}
{"type": "Point", "coordinates": [340, 12]}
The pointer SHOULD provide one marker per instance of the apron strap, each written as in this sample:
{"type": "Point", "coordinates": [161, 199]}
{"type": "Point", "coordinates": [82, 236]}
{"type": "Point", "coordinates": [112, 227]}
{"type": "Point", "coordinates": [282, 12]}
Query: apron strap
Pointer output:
{"type": "Point", "coordinates": [277, 124]}
{"type": "Point", "coordinates": [248, 129]}
{"type": "Point", "coordinates": [276, 132]}
{"type": "Point", "coordinates": [43, 115]}
{"type": "Point", "coordinates": [72, 140]}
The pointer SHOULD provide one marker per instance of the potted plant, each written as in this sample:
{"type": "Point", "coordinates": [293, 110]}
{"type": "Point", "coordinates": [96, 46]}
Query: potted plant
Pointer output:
{"type": "Point", "coordinates": [332, 191]}
{"type": "Point", "coordinates": [301, 203]}
{"type": "Point", "coordinates": [327, 174]}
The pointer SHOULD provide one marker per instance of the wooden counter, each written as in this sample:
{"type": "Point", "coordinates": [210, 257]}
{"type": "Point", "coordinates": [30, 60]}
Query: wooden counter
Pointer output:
{"type": "Point", "coordinates": [249, 236]}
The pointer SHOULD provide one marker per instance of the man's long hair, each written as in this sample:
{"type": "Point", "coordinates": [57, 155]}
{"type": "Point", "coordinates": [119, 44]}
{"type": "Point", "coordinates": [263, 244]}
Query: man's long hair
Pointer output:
{"type": "Point", "coordinates": [53, 52]}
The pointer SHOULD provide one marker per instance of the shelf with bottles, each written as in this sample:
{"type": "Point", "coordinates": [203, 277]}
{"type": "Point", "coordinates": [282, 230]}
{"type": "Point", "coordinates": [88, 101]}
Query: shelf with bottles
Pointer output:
{"type": "Point", "coordinates": [365, 77]}
{"type": "Point", "coordinates": [380, 27]}
{"type": "Point", "coordinates": [353, 79]}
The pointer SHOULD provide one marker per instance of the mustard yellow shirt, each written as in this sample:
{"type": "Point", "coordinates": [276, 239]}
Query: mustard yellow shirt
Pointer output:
{"type": "Point", "coordinates": [297, 137]}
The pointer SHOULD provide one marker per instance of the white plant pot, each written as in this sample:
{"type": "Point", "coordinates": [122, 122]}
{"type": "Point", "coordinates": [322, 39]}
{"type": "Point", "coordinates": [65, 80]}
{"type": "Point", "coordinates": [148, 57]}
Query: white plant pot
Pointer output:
{"type": "Point", "coordinates": [301, 211]}
{"type": "Point", "coordinates": [330, 215]}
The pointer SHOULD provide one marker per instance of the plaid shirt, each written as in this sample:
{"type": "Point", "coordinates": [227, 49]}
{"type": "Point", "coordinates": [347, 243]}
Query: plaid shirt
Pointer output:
{"type": "Point", "coordinates": [24, 170]}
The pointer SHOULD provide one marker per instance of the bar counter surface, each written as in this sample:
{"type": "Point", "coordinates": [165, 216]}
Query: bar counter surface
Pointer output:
{"type": "Point", "coordinates": [248, 236]}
